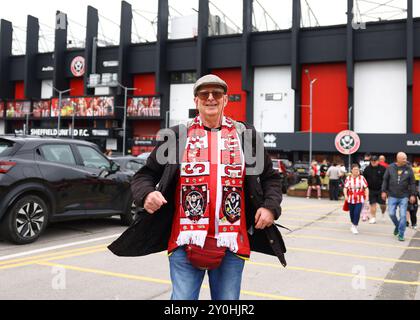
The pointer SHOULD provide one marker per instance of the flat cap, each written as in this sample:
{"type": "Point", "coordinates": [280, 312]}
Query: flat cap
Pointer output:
{"type": "Point", "coordinates": [210, 79]}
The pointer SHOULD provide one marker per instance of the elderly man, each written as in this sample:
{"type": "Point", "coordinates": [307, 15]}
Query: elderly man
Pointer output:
{"type": "Point", "coordinates": [398, 185]}
{"type": "Point", "coordinates": [210, 207]}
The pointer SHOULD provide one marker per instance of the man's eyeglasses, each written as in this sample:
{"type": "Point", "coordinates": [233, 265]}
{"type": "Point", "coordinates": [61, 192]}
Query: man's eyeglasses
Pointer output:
{"type": "Point", "coordinates": [204, 95]}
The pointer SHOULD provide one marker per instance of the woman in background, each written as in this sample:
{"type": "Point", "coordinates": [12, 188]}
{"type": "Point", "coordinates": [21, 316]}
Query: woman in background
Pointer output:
{"type": "Point", "coordinates": [356, 193]}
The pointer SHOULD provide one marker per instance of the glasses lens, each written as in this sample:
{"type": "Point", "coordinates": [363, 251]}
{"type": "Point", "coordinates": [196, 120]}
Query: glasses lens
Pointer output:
{"type": "Point", "coordinates": [204, 95]}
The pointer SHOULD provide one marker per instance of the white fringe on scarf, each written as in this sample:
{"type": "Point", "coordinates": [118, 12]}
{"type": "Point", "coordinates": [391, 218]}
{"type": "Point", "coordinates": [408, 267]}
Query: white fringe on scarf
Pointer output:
{"type": "Point", "coordinates": [192, 237]}
{"type": "Point", "coordinates": [228, 240]}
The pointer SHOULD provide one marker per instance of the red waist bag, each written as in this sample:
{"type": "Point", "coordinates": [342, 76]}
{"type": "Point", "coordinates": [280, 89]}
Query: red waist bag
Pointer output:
{"type": "Point", "coordinates": [208, 258]}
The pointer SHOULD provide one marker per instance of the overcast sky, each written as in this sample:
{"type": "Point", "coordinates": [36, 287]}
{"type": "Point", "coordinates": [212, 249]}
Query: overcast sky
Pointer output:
{"type": "Point", "coordinates": [326, 11]}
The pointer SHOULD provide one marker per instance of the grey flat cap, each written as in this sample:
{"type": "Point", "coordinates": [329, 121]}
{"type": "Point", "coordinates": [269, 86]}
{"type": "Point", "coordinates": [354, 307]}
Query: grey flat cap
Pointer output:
{"type": "Point", "coordinates": [209, 79]}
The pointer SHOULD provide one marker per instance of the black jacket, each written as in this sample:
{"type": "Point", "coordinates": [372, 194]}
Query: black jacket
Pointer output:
{"type": "Point", "coordinates": [374, 177]}
{"type": "Point", "coordinates": [399, 182]}
{"type": "Point", "coordinates": [150, 233]}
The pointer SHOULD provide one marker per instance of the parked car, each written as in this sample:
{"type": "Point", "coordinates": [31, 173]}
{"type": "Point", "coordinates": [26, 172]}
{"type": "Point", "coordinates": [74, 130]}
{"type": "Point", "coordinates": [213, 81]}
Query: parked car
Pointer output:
{"type": "Point", "coordinates": [285, 168]}
{"type": "Point", "coordinates": [44, 180]}
{"type": "Point", "coordinates": [144, 156]}
{"type": "Point", "coordinates": [129, 164]}
{"type": "Point", "coordinates": [301, 168]}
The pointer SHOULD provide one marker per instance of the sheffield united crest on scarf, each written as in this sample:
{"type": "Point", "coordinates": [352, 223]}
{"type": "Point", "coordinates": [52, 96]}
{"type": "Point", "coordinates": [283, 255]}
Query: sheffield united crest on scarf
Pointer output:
{"type": "Point", "coordinates": [232, 204]}
{"type": "Point", "coordinates": [194, 201]}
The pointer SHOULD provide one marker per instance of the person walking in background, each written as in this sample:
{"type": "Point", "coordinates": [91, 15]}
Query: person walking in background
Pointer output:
{"type": "Point", "coordinates": [416, 170]}
{"type": "Point", "coordinates": [399, 186]}
{"type": "Point", "coordinates": [412, 211]}
{"type": "Point", "coordinates": [374, 175]}
{"type": "Point", "coordinates": [356, 192]}
{"type": "Point", "coordinates": [334, 173]}
{"type": "Point", "coordinates": [323, 173]}
{"type": "Point", "coordinates": [314, 183]}
{"type": "Point", "coordinates": [365, 162]}
{"type": "Point", "coordinates": [382, 161]}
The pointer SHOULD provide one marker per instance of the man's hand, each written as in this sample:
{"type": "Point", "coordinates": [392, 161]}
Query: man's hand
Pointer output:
{"type": "Point", "coordinates": [263, 218]}
{"type": "Point", "coordinates": [413, 199]}
{"type": "Point", "coordinates": [383, 196]}
{"type": "Point", "coordinates": [154, 201]}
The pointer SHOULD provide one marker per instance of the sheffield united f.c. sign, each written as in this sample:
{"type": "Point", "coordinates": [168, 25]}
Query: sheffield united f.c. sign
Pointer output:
{"type": "Point", "coordinates": [347, 142]}
{"type": "Point", "coordinates": [78, 66]}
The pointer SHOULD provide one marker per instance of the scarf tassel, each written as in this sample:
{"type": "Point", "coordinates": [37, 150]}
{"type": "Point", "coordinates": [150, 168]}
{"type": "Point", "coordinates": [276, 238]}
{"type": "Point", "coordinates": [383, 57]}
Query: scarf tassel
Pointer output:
{"type": "Point", "coordinates": [192, 237]}
{"type": "Point", "coordinates": [228, 240]}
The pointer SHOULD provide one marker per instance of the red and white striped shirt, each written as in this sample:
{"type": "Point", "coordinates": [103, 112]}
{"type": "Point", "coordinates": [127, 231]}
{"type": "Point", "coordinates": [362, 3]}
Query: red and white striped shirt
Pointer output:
{"type": "Point", "coordinates": [356, 189]}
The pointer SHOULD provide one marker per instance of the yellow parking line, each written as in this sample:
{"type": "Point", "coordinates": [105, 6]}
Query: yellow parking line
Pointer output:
{"type": "Point", "coordinates": [382, 234]}
{"type": "Point", "coordinates": [376, 244]}
{"type": "Point", "coordinates": [153, 280]}
{"type": "Point", "coordinates": [57, 257]}
{"type": "Point", "coordinates": [332, 207]}
{"type": "Point", "coordinates": [284, 218]}
{"type": "Point", "coordinates": [49, 255]}
{"type": "Point", "coordinates": [337, 253]}
{"type": "Point", "coordinates": [339, 274]}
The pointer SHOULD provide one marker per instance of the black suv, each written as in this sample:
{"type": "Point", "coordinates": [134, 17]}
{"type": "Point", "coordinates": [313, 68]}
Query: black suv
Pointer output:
{"type": "Point", "coordinates": [45, 180]}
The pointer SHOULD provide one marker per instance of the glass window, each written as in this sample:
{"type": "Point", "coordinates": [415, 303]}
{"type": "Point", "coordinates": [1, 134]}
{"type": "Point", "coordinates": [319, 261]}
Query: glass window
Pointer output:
{"type": "Point", "coordinates": [92, 158]}
{"type": "Point", "coordinates": [58, 153]}
{"type": "Point", "coordinates": [134, 165]}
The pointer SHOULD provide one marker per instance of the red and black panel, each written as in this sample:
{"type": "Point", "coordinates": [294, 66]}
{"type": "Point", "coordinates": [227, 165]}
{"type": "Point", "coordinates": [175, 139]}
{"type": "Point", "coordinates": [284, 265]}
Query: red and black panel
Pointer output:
{"type": "Point", "coordinates": [330, 98]}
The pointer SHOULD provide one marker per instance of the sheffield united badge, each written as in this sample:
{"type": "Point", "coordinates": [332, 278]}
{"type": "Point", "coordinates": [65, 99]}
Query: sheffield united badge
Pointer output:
{"type": "Point", "coordinates": [232, 204]}
{"type": "Point", "coordinates": [194, 201]}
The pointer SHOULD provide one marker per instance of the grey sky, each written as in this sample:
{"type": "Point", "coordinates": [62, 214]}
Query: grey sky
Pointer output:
{"type": "Point", "coordinates": [327, 12]}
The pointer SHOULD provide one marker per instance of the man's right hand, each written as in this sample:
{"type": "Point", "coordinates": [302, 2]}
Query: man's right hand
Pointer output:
{"type": "Point", "coordinates": [383, 196]}
{"type": "Point", "coordinates": [154, 201]}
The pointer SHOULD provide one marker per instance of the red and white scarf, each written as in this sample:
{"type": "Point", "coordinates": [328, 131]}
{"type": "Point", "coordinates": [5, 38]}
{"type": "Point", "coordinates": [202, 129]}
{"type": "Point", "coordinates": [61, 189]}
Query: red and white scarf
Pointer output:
{"type": "Point", "coordinates": [195, 187]}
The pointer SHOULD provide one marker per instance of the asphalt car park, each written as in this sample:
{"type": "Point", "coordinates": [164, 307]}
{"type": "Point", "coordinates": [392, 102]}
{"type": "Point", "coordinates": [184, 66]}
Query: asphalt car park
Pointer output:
{"type": "Point", "coordinates": [325, 261]}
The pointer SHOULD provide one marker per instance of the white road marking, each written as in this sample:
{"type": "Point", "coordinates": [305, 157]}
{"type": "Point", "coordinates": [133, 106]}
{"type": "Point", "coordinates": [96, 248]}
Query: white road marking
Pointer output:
{"type": "Point", "coordinates": [27, 253]}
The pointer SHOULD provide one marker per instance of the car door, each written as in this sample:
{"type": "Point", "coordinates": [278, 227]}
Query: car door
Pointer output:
{"type": "Point", "coordinates": [58, 167]}
{"type": "Point", "coordinates": [106, 191]}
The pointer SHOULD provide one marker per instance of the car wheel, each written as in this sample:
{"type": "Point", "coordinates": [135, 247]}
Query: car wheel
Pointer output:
{"type": "Point", "coordinates": [128, 218]}
{"type": "Point", "coordinates": [26, 220]}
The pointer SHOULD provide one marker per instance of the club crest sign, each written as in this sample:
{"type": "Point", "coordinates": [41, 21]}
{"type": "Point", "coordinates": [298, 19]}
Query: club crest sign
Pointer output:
{"type": "Point", "coordinates": [347, 142]}
{"type": "Point", "coordinates": [78, 66]}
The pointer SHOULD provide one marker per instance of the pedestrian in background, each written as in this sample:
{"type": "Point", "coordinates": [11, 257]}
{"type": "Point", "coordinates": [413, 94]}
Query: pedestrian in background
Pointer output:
{"type": "Point", "coordinates": [374, 175]}
{"type": "Point", "coordinates": [382, 161]}
{"type": "Point", "coordinates": [356, 192]}
{"type": "Point", "coordinates": [323, 173]}
{"type": "Point", "coordinates": [416, 170]}
{"type": "Point", "coordinates": [399, 186]}
{"type": "Point", "coordinates": [314, 183]}
{"type": "Point", "coordinates": [365, 162]}
{"type": "Point", "coordinates": [334, 173]}
{"type": "Point", "coordinates": [412, 211]}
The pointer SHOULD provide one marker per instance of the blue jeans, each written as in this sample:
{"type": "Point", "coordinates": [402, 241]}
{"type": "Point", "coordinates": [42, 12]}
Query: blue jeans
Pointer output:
{"type": "Point", "coordinates": [355, 210]}
{"type": "Point", "coordinates": [393, 203]}
{"type": "Point", "coordinates": [225, 281]}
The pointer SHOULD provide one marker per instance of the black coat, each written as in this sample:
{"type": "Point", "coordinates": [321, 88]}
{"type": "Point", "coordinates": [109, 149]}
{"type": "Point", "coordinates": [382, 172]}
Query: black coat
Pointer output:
{"type": "Point", "coordinates": [150, 233]}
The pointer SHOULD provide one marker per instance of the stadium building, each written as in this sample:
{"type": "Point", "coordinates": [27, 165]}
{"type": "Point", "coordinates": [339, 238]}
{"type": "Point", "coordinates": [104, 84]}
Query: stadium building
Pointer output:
{"type": "Point", "coordinates": [367, 80]}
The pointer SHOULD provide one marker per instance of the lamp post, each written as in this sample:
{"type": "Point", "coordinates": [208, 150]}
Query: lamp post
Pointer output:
{"type": "Point", "coordinates": [60, 94]}
{"type": "Point", "coordinates": [350, 109]}
{"type": "Point", "coordinates": [311, 83]}
{"type": "Point", "coordinates": [125, 113]}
